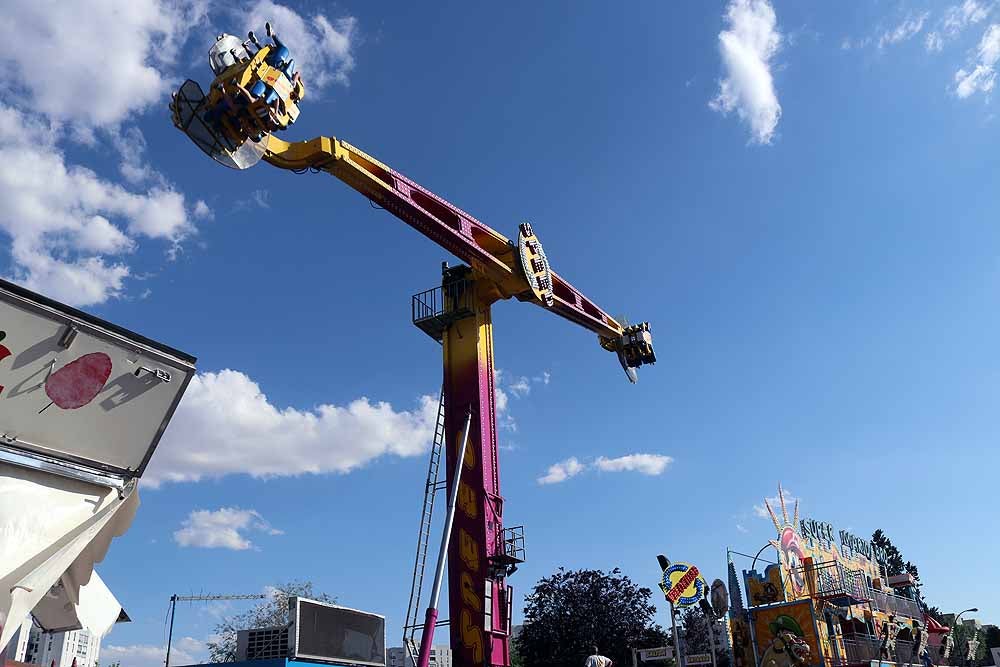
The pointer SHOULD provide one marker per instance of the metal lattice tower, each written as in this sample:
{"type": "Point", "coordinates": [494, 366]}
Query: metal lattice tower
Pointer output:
{"type": "Point", "coordinates": [431, 488]}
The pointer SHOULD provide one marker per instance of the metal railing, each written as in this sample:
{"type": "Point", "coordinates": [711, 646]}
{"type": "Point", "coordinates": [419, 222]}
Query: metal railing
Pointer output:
{"type": "Point", "coordinates": [440, 301]}
{"type": "Point", "coordinates": [435, 309]}
{"type": "Point", "coordinates": [831, 580]}
{"type": "Point", "coordinates": [896, 605]}
{"type": "Point", "coordinates": [863, 649]}
{"type": "Point", "coordinates": [860, 649]}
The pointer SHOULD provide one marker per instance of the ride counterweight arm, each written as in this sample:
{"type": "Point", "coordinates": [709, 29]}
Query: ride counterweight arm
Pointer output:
{"type": "Point", "coordinates": [487, 251]}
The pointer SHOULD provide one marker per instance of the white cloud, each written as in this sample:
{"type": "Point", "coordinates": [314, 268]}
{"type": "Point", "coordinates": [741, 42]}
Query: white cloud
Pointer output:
{"type": "Point", "coordinates": [741, 528]}
{"type": "Point", "coordinates": [647, 464]}
{"type": "Point", "coordinates": [560, 472]}
{"type": "Point", "coordinates": [201, 211]}
{"type": "Point", "coordinates": [747, 47]}
{"type": "Point", "coordinates": [933, 41]}
{"type": "Point", "coordinates": [981, 75]}
{"type": "Point", "coordinates": [323, 49]}
{"type": "Point", "coordinates": [958, 17]}
{"type": "Point", "coordinates": [224, 528]}
{"type": "Point", "coordinates": [83, 69]}
{"type": "Point", "coordinates": [260, 198]}
{"type": "Point", "coordinates": [226, 425]}
{"type": "Point", "coordinates": [92, 63]}
{"type": "Point", "coordinates": [775, 502]}
{"type": "Point", "coordinates": [186, 651]}
{"type": "Point", "coordinates": [520, 387]}
{"type": "Point", "coordinates": [910, 26]}
{"type": "Point", "coordinates": [504, 387]}
{"type": "Point", "coordinates": [69, 227]}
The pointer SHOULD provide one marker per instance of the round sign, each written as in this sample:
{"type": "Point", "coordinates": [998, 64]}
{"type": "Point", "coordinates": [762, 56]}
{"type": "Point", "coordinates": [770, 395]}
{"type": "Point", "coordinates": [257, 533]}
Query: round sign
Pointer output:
{"type": "Point", "coordinates": [683, 584]}
{"type": "Point", "coordinates": [720, 598]}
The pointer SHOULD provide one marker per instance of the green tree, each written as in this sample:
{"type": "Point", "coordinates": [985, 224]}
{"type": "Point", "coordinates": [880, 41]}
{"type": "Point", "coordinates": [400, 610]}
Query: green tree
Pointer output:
{"type": "Point", "coordinates": [962, 633]}
{"type": "Point", "coordinates": [989, 637]}
{"type": "Point", "coordinates": [269, 613]}
{"type": "Point", "coordinates": [697, 631]}
{"type": "Point", "coordinates": [568, 612]}
{"type": "Point", "coordinates": [697, 635]}
{"type": "Point", "coordinates": [893, 558]}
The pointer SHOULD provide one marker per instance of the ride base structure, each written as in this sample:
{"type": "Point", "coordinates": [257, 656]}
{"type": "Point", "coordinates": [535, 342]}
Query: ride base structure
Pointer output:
{"type": "Point", "coordinates": [256, 93]}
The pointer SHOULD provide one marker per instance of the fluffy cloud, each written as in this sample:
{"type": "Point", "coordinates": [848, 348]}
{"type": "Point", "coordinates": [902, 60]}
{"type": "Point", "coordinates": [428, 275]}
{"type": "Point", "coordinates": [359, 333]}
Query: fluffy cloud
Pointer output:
{"type": "Point", "coordinates": [93, 63]}
{"type": "Point", "coordinates": [224, 528]}
{"type": "Point", "coordinates": [226, 425]}
{"type": "Point", "coordinates": [910, 26]}
{"type": "Point", "coordinates": [323, 49]}
{"type": "Point", "coordinates": [647, 464]}
{"type": "Point", "coordinates": [505, 386]}
{"type": "Point", "coordinates": [747, 48]}
{"type": "Point", "coordinates": [560, 472]}
{"type": "Point", "coordinates": [186, 651]}
{"type": "Point", "coordinates": [958, 17]}
{"type": "Point", "coordinates": [981, 75]}
{"type": "Point", "coordinates": [69, 228]}
{"type": "Point", "coordinates": [84, 70]}
{"type": "Point", "coordinates": [775, 503]}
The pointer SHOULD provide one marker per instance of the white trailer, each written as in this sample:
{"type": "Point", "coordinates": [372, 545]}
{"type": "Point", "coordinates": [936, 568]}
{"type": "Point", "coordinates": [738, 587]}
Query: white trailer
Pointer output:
{"type": "Point", "coordinates": [83, 404]}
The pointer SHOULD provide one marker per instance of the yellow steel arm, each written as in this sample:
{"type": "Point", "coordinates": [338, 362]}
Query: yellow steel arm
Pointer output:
{"type": "Point", "coordinates": [488, 252]}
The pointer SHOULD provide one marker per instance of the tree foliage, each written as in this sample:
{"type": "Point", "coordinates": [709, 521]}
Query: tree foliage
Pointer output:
{"type": "Point", "coordinates": [893, 558]}
{"type": "Point", "coordinates": [697, 631]}
{"type": "Point", "coordinates": [269, 613]}
{"type": "Point", "coordinates": [962, 634]}
{"type": "Point", "coordinates": [569, 611]}
{"type": "Point", "coordinates": [698, 635]}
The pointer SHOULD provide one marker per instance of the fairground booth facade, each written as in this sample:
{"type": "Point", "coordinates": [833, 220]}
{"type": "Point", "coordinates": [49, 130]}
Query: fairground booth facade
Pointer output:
{"type": "Point", "coordinates": [829, 603]}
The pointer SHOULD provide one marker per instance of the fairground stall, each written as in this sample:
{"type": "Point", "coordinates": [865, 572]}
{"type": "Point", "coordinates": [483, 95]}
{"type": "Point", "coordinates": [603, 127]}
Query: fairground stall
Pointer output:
{"type": "Point", "coordinates": [828, 602]}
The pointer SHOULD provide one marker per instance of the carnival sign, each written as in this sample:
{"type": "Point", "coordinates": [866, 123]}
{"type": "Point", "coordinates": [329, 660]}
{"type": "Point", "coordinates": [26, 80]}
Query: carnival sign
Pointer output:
{"type": "Point", "coordinates": [698, 659]}
{"type": "Point", "coordinates": [659, 654]}
{"type": "Point", "coordinates": [683, 584]}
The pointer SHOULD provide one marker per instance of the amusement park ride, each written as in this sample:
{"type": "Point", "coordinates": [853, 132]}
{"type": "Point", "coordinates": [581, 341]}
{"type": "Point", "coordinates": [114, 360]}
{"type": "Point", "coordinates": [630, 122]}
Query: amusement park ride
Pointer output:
{"type": "Point", "coordinates": [256, 92]}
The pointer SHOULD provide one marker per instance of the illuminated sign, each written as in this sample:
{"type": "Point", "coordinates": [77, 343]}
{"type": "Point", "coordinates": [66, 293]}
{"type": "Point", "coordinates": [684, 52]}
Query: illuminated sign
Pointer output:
{"type": "Point", "coordinates": [535, 265]}
{"type": "Point", "coordinates": [698, 659]}
{"type": "Point", "coordinates": [823, 532]}
{"type": "Point", "coordinates": [683, 584]}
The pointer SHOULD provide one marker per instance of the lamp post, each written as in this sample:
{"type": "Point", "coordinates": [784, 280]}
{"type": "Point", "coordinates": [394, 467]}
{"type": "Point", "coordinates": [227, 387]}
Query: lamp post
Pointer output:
{"type": "Point", "coordinates": [753, 567]}
{"type": "Point", "coordinates": [753, 564]}
{"type": "Point", "coordinates": [973, 610]}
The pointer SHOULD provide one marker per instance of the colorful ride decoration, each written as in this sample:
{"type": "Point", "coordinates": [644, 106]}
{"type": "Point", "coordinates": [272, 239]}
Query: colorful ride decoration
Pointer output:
{"type": "Point", "coordinates": [828, 600]}
{"type": "Point", "coordinates": [787, 635]}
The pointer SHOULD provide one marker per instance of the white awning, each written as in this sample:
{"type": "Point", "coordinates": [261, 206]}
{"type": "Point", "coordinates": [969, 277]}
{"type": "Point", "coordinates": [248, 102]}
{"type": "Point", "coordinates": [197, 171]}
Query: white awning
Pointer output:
{"type": "Point", "coordinates": [52, 531]}
{"type": "Point", "coordinates": [96, 609]}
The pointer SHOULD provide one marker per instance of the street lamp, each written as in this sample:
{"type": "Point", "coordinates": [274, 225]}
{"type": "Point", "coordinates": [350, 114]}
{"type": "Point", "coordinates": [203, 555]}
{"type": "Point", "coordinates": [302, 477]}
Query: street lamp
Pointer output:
{"type": "Point", "coordinates": [753, 565]}
{"type": "Point", "coordinates": [973, 610]}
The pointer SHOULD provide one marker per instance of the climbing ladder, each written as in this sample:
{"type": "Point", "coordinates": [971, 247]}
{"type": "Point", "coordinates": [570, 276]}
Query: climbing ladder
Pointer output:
{"type": "Point", "coordinates": [413, 621]}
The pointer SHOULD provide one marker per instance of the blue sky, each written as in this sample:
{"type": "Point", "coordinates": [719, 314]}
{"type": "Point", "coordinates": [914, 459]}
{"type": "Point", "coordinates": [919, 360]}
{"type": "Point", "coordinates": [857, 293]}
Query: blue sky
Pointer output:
{"type": "Point", "coordinates": [799, 197]}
